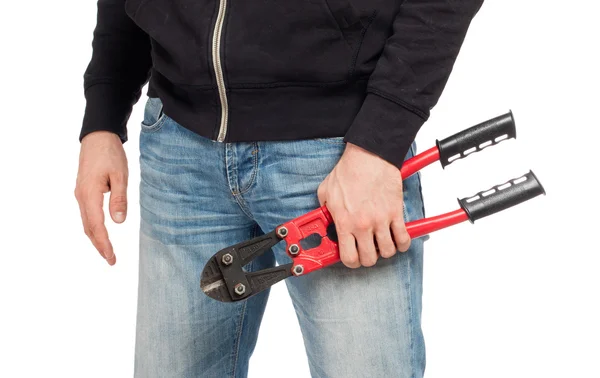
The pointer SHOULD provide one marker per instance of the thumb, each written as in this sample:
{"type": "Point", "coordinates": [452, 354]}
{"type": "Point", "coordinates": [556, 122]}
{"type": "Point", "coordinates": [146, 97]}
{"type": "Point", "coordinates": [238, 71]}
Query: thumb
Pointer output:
{"type": "Point", "coordinates": [322, 193]}
{"type": "Point", "coordinates": [118, 198]}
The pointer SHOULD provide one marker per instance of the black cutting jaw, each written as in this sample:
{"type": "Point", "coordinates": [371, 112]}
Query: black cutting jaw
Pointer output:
{"type": "Point", "coordinates": [225, 279]}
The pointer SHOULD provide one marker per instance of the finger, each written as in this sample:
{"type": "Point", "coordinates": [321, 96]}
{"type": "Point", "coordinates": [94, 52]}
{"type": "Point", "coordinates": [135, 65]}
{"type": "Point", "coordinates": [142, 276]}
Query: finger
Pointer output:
{"type": "Point", "coordinates": [118, 197]}
{"type": "Point", "coordinates": [321, 193]}
{"type": "Point", "coordinates": [385, 243]}
{"type": "Point", "coordinates": [86, 227]}
{"type": "Point", "coordinates": [401, 236]}
{"type": "Point", "coordinates": [348, 251]}
{"type": "Point", "coordinates": [367, 253]}
{"type": "Point", "coordinates": [95, 226]}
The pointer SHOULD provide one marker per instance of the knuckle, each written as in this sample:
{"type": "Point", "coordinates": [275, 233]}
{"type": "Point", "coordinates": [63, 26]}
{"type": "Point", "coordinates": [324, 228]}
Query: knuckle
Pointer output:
{"type": "Point", "coordinates": [119, 176]}
{"type": "Point", "coordinates": [362, 223]}
{"type": "Point", "coordinates": [403, 237]}
{"type": "Point", "coordinates": [393, 212]}
{"type": "Point", "coordinates": [118, 200]}
{"type": "Point", "coordinates": [388, 252]}
{"type": "Point", "coordinates": [81, 192]}
{"type": "Point", "coordinates": [368, 263]}
{"type": "Point", "coordinates": [351, 260]}
{"type": "Point", "coordinates": [93, 229]}
{"type": "Point", "coordinates": [343, 225]}
{"type": "Point", "coordinates": [404, 246]}
{"type": "Point", "coordinates": [398, 221]}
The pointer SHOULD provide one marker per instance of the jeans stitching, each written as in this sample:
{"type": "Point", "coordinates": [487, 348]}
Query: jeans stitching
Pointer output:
{"type": "Point", "coordinates": [238, 339]}
{"type": "Point", "coordinates": [231, 169]}
{"type": "Point", "coordinates": [242, 204]}
{"type": "Point", "coordinates": [160, 120]}
{"type": "Point", "coordinates": [410, 321]}
{"type": "Point", "coordinates": [242, 315]}
{"type": "Point", "coordinates": [410, 299]}
{"type": "Point", "coordinates": [254, 170]}
{"type": "Point", "coordinates": [404, 207]}
{"type": "Point", "coordinates": [232, 179]}
{"type": "Point", "coordinates": [239, 335]}
{"type": "Point", "coordinates": [155, 127]}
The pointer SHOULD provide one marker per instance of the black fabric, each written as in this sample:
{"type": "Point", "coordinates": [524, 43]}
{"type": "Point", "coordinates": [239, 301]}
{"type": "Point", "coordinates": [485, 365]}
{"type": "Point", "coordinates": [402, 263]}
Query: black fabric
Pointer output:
{"type": "Point", "coordinates": [367, 69]}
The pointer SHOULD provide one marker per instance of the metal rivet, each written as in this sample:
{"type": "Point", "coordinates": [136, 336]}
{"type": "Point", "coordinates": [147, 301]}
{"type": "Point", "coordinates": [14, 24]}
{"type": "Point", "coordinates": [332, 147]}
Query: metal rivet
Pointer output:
{"type": "Point", "coordinates": [294, 249]}
{"type": "Point", "coordinates": [282, 232]}
{"type": "Point", "coordinates": [227, 259]}
{"type": "Point", "coordinates": [239, 289]}
{"type": "Point", "coordinates": [298, 270]}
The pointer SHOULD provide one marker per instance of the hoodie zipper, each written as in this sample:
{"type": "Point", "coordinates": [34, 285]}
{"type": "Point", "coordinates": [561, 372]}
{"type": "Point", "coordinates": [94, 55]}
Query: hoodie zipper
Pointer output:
{"type": "Point", "coordinates": [216, 56]}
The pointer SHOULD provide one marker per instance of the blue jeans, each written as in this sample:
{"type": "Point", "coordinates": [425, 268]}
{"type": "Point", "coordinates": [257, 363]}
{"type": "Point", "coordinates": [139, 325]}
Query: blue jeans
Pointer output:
{"type": "Point", "coordinates": [198, 196]}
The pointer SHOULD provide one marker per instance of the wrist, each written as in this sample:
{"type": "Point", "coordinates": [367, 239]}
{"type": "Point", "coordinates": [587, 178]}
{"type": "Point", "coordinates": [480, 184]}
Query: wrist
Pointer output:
{"type": "Point", "coordinates": [101, 134]}
{"type": "Point", "coordinates": [357, 152]}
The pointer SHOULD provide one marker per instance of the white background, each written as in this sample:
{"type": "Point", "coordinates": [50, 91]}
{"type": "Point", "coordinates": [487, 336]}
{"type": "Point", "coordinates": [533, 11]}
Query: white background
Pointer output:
{"type": "Point", "coordinates": [516, 295]}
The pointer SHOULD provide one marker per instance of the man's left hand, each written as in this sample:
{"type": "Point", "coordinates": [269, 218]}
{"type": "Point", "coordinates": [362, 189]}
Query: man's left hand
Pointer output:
{"type": "Point", "coordinates": [363, 193]}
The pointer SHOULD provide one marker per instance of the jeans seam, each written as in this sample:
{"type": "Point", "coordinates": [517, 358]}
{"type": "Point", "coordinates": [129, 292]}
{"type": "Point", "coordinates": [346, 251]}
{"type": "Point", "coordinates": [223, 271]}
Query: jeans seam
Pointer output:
{"type": "Point", "coordinates": [410, 321]}
{"type": "Point", "coordinates": [254, 170]}
{"type": "Point", "coordinates": [242, 204]}
{"type": "Point", "coordinates": [242, 317]}
{"type": "Point", "coordinates": [231, 169]}
{"type": "Point", "coordinates": [404, 210]}
{"type": "Point", "coordinates": [232, 179]}
{"type": "Point", "coordinates": [413, 355]}
{"type": "Point", "coordinates": [238, 339]}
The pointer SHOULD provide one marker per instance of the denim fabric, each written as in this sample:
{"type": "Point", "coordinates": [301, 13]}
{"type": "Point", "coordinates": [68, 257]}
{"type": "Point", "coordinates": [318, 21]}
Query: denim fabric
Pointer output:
{"type": "Point", "coordinates": [197, 197]}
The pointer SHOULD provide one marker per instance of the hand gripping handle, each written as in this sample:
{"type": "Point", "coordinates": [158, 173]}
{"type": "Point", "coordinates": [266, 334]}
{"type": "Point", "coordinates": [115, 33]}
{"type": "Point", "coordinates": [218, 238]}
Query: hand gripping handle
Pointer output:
{"type": "Point", "coordinates": [501, 197]}
{"type": "Point", "coordinates": [476, 138]}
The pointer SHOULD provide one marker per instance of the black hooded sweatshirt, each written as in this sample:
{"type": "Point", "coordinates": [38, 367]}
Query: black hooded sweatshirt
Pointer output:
{"type": "Point", "coordinates": [258, 70]}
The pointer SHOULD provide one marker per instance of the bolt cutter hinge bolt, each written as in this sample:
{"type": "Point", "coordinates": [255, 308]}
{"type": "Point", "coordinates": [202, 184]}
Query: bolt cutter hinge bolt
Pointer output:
{"type": "Point", "coordinates": [298, 270]}
{"type": "Point", "coordinates": [282, 232]}
{"type": "Point", "coordinates": [239, 289]}
{"type": "Point", "coordinates": [294, 249]}
{"type": "Point", "coordinates": [227, 259]}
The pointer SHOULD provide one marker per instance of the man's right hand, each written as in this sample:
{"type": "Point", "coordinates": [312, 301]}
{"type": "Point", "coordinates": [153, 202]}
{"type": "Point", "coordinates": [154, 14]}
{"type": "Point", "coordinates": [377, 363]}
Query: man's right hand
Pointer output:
{"type": "Point", "coordinates": [102, 168]}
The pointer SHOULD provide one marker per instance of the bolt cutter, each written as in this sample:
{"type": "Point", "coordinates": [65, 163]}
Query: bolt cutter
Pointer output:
{"type": "Point", "coordinates": [311, 239]}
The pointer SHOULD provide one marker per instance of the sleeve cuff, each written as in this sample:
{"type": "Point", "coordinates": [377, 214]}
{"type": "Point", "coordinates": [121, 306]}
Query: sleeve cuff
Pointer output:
{"type": "Point", "coordinates": [384, 128]}
{"type": "Point", "coordinates": [108, 108]}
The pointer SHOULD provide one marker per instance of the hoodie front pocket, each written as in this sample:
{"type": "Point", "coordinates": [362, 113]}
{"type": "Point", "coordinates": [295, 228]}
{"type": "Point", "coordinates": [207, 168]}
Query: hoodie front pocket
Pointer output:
{"type": "Point", "coordinates": [290, 42]}
{"type": "Point", "coordinates": [347, 19]}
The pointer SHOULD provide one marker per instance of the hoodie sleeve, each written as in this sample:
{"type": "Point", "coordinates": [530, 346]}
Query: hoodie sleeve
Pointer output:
{"type": "Point", "coordinates": [119, 68]}
{"type": "Point", "coordinates": [410, 75]}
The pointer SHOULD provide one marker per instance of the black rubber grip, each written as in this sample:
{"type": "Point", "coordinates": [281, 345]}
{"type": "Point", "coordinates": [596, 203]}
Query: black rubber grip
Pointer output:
{"type": "Point", "coordinates": [502, 197]}
{"type": "Point", "coordinates": [476, 138]}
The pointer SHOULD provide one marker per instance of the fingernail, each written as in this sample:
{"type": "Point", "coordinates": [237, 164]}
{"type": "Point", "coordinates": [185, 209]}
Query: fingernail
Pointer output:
{"type": "Point", "coordinates": [109, 257]}
{"type": "Point", "coordinates": [120, 217]}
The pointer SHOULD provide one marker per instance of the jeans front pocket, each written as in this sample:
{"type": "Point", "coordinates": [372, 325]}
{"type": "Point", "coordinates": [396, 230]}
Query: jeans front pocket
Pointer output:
{"type": "Point", "coordinates": [154, 116]}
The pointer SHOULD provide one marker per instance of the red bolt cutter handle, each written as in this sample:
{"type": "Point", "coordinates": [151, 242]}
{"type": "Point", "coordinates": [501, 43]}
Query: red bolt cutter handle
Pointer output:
{"type": "Point", "coordinates": [311, 239]}
{"type": "Point", "coordinates": [318, 224]}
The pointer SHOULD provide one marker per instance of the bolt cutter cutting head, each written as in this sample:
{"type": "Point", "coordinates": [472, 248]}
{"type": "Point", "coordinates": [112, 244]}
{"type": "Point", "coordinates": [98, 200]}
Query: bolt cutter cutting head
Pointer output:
{"type": "Point", "coordinates": [225, 279]}
{"type": "Point", "coordinates": [311, 243]}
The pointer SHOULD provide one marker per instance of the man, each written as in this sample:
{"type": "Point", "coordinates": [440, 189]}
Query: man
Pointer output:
{"type": "Point", "coordinates": [260, 111]}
